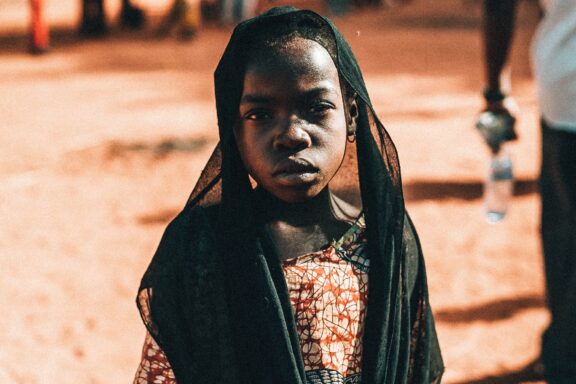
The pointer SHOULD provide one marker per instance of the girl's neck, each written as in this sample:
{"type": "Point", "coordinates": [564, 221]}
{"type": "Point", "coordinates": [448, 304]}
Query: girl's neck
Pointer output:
{"type": "Point", "coordinates": [300, 228]}
{"type": "Point", "coordinates": [315, 211]}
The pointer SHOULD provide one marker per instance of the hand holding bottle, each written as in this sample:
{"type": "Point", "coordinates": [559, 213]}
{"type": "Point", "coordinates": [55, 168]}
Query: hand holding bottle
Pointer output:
{"type": "Point", "coordinates": [496, 122]}
{"type": "Point", "coordinates": [496, 125]}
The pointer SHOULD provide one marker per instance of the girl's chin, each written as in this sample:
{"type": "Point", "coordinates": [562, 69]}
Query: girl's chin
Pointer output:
{"type": "Point", "coordinates": [303, 198]}
{"type": "Point", "coordinates": [296, 195]}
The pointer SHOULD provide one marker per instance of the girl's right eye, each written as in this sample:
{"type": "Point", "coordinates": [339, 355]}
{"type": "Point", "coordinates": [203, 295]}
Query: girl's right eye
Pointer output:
{"type": "Point", "coordinates": [257, 115]}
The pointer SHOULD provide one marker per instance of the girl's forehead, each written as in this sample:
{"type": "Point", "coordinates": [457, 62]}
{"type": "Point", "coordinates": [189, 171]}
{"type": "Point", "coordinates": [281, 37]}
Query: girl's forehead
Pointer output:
{"type": "Point", "coordinates": [297, 54]}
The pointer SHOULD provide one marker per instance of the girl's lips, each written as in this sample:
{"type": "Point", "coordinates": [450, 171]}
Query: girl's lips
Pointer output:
{"type": "Point", "coordinates": [294, 166]}
{"type": "Point", "coordinates": [294, 171]}
{"type": "Point", "coordinates": [295, 178]}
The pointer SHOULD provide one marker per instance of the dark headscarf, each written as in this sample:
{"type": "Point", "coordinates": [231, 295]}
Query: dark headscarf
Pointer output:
{"type": "Point", "coordinates": [215, 298]}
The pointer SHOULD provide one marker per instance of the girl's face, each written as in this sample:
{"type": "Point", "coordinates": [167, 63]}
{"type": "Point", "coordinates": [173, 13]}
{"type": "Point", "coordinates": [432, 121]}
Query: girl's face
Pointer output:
{"type": "Point", "coordinates": [292, 127]}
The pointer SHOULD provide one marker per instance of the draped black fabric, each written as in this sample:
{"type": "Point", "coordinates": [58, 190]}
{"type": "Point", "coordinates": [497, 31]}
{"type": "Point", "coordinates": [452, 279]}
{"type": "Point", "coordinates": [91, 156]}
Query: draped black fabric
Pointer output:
{"type": "Point", "coordinates": [214, 296]}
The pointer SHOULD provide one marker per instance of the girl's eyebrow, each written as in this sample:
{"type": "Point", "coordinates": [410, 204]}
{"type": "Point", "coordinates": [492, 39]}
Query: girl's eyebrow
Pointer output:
{"type": "Point", "coordinates": [320, 90]}
{"type": "Point", "coordinates": [257, 98]}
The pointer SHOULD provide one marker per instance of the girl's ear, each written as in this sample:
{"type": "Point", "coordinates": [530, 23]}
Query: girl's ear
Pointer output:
{"type": "Point", "coordinates": [352, 115]}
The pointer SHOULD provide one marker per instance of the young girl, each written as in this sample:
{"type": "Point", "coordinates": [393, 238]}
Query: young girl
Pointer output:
{"type": "Point", "coordinates": [294, 260]}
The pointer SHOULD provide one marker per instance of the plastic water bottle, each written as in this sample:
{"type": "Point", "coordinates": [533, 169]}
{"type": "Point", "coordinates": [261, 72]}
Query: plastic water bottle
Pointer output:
{"type": "Point", "coordinates": [498, 186]}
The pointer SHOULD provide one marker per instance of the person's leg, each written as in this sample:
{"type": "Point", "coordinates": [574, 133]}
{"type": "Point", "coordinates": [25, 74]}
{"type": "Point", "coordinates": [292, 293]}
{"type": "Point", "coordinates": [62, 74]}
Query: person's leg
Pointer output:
{"type": "Point", "coordinates": [191, 19]}
{"type": "Point", "coordinates": [250, 9]}
{"type": "Point", "coordinates": [227, 12]}
{"type": "Point", "coordinates": [338, 7]}
{"type": "Point", "coordinates": [93, 18]}
{"type": "Point", "coordinates": [131, 16]}
{"type": "Point", "coordinates": [39, 34]}
{"type": "Point", "coordinates": [558, 229]}
{"type": "Point", "coordinates": [185, 16]}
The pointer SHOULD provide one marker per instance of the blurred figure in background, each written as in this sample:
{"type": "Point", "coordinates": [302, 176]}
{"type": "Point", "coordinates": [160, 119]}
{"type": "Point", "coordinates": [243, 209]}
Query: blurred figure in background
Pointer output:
{"type": "Point", "coordinates": [554, 59]}
{"type": "Point", "coordinates": [185, 16]}
{"type": "Point", "coordinates": [234, 11]}
{"type": "Point", "coordinates": [39, 33]}
{"type": "Point", "coordinates": [93, 22]}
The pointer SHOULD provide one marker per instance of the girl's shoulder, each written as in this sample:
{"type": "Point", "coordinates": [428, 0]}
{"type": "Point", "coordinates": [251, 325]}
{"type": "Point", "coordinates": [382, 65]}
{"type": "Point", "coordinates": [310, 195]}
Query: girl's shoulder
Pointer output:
{"type": "Point", "coordinates": [185, 240]}
{"type": "Point", "coordinates": [190, 222]}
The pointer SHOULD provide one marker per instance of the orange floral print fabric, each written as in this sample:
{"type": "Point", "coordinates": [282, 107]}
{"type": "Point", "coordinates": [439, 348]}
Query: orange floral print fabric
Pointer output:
{"type": "Point", "coordinates": [328, 291]}
{"type": "Point", "coordinates": [154, 366]}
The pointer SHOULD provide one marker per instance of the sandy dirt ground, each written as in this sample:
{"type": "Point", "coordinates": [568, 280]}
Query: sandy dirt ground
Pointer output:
{"type": "Point", "coordinates": [101, 142]}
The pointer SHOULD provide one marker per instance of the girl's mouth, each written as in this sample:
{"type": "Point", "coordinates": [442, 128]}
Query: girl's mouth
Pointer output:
{"type": "Point", "coordinates": [294, 171]}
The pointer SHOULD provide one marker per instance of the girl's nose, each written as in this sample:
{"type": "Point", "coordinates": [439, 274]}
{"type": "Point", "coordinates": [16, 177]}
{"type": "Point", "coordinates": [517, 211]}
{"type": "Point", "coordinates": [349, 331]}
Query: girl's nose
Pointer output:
{"type": "Point", "coordinates": [293, 135]}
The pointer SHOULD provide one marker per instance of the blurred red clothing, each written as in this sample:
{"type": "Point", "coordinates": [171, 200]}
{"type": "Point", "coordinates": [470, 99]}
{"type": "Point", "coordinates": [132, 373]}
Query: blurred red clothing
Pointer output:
{"type": "Point", "coordinates": [39, 34]}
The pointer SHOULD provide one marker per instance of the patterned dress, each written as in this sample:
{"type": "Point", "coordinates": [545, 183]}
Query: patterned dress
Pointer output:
{"type": "Point", "coordinates": [328, 291]}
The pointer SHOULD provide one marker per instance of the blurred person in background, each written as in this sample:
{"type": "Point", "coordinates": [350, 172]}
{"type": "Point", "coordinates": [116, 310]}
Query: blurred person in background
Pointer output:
{"type": "Point", "coordinates": [554, 59]}
{"type": "Point", "coordinates": [234, 11]}
{"type": "Point", "coordinates": [93, 22]}
{"type": "Point", "coordinates": [184, 16]}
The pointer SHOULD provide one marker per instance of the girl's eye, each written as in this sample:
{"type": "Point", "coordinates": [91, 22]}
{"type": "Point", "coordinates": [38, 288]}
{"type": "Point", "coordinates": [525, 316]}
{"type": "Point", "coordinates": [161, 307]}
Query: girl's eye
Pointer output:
{"type": "Point", "coordinates": [320, 107]}
{"type": "Point", "coordinates": [257, 115]}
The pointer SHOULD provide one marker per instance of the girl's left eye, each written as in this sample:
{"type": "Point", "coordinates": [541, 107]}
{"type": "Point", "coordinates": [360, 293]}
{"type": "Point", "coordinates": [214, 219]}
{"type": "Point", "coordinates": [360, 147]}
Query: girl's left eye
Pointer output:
{"type": "Point", "coordinates": [321, 107]}
{"type": "Point", "coordinates": [257, 115]}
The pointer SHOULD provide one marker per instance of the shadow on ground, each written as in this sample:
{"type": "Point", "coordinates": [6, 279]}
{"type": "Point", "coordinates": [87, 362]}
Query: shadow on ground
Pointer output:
{"type": "Point", "coordinates": [441, 190]}
{"type": "Point", "coordinates": [413, 191]}
{"type": "Point", "coordinates": [158, 150]}
{"type": "Point", "coordinates": [68, 37]}
{"type": "Point", "coordinates": [161, 217]}
{"type": "Point", "coordinates": [528, 374]}
{"type": "Point", "coordinates": [59, 37]}
{"type": "Point", "coordinates": [492, 311]}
